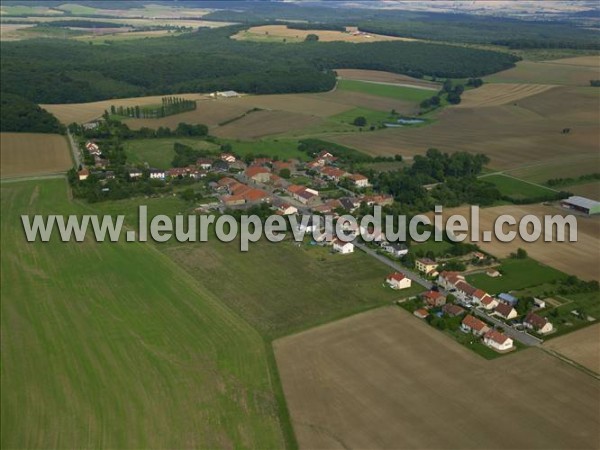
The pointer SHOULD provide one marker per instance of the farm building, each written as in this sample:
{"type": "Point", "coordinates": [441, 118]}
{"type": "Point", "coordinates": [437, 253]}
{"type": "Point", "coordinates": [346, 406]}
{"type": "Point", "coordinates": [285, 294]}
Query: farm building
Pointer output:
{"type": "Point", "coordinates": [227, 94]}
{"type": "Point", "coordinates": [397, 280]}
{"type": "Point", "coordinates": [581, 204]}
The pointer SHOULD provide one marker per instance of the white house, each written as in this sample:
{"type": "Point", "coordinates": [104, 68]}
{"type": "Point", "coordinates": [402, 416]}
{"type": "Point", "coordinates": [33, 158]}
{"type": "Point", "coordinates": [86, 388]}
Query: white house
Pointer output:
{"type": "Point", "coordinates": [489, 303]}
{"type": "Point", "coordinates": [448, 280]}
{"type": "Point", "coordinates": [343, 247]}
{"type": "Point", "coordinates": [498, 341]}
{"type": "Point", "coordinates": [396, 249]}
{"type": "Point", "coordinates": [287, 209]}
{"type": "Point", "coordinates": [134, 174]}
{"type": "Point", "coordinates": [359, 180]}
{"type": "Point", "coordinates": [83, 174]}
{"type": "Point", "coordinates": [228, 157]}
{"type": "Point", "coordinates": [397, 280]}
{"type": "Point", "coordinates": [157, 174]}
{"type": "Point", "coordinates": [471, 324]}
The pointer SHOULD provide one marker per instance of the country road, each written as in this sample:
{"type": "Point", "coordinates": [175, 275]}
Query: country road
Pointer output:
{"type": "Point", "coordinates": [74, 150]}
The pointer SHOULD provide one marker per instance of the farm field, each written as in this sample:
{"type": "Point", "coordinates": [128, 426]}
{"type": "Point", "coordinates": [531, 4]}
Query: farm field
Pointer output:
{"type": "Point", "coordinates": [496, 94]}
{"type": "Point", "coordinates": [411, 94]}
{"type": "Point", "coordinates": [581, 346]}
{"type": "Point", "coordinates": [541, 172]}
{"type": "Point", "coordinates": [579, 258]}
{"type": "Point", "coordinates": [25, 154]}
{"type": "Point", "coordinates": [159, 152]}
{"type": "Point", "coordinates": [369, 380]}
{"type": "Point", "coordinates": [91, 359]}
{"type": "Point", "coordinates": [517, 189]}
{"type": "Point", "coordinates": [512, 136]}
{"type": "Point", "coordinates": [264, 123]}
{"type": "Point", "coordinates": [281, 33]}
{"type": "Point", "coordinates": [385, 77]}
{"type": "Point", "coordinates": [576, 71]}
{"type": "Point", "coordinates": [589, 190]}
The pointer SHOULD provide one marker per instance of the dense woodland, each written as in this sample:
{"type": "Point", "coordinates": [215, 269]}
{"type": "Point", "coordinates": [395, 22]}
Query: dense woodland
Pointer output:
{"type": "Point", "coordinates": [19, 114]}
{"type": "Point", "coordinates": [59, 71]}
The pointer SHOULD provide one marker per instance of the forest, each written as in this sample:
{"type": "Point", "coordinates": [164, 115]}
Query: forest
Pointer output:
{"type": "Point", "coordinates": [59, 71]}
{"type": "Point", "coordinates": [22, 115]}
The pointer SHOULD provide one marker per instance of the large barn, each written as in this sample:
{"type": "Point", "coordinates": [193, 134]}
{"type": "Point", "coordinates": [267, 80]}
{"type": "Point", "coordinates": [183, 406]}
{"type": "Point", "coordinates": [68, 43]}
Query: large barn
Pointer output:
{"type": "Point", "coordinates": [582, 204]}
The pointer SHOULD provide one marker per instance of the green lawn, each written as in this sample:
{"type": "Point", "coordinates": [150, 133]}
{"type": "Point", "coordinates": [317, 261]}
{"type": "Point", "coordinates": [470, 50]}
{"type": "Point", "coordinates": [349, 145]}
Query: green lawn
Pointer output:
{"type": "Point", "coordinates": [159, 152]}
{"type": "Point", "coordinates": [386, 90]}
{"type": "Point", "coordinates": [114, 346]}
{"type": "Point", "coordinates": [438, 248]}
{"type": "Point", "coordinates": [517, 274]}
{"type": "Point", "coordinates": [517, 189]}
{"type": "Point", "coordinates": [282, 148]}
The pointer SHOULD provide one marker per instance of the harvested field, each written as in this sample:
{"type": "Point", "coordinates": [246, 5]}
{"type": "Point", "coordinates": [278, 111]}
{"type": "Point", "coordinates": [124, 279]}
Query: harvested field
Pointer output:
{"type": "Point", "coordinates": [84, 112]}
{"type": "Point", "coordinates": [575, 72]}
{"type": "Point", "coordinates": [589, 190]}
{"type": "Point", "coordinates": [9, 31]}
{"type": "Point", "coordinates": [25, 154]}
{"type": "Point", "coordinates": [500, 94]}
{"type": "Point", "coordinates": [277, 33]}
{"type": "Point", "coordinates": [374, 381]}
{"type": "Point", "coordinates": [571, 167]}
{"type": "Point", "coordinates": [582, 346]}
{"type": "Point", "coordinates": [384, 77]}
{"type": "Point", "coordinates": [579, 258]}
{"type": "Point", "coordinates": [512, 136]}
{"type": "Point", "coordinates": [264, 123]}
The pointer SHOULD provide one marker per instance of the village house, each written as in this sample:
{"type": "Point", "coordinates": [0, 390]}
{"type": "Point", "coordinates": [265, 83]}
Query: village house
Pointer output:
{"type": "Point", "coordinates": [157, 174]}
{"type": "Point", "coordinates": [233, 200]}
{"type": "Point", "coordinates": [448, 279]}
{"type": "Point", "coordinates": [204, 163]}
{"type": "Point", "coordinates": [471, 324]}
{"type": "Point", "coordinates": [498, 341]}
{"type": "Point", "coordinates": [464, 292]}
{"type": "Point", "coordinates": [493, 273]}
{"type": "Point", "coordinates": [349, 203]}
{"type": "Point", "coordinates": [378, 199]}
{"type": "Point", "coordinates": [395, 249]}
{"type": "Point", "coordinates": [92, 148]}
{"type": "Point", "coordinates": [220, 166]}
{"type": "Point", "coordinates": [278, 166]}
{"type": "Point", "coordinates": [478, 256]}
{"type": "Point", "coordinates": [433, 299]}
{"type": "Point", "coordinates": [479, 295]}
{"type": "Point", "coordinates": [488, 303]}
{"type": "Point", "coordinates": [255, 196]}
{"type": "Point", "coordinates": [452, 310]}
{"type": "Point", "coordinates": [343, 247]}
{"type": "Point", "coordinates": [83, 174]}
{"type": "Point", "coordinates": [304, 195]}
{"type": "Point", "coordinates": [324, 157]}
{"type": "Point", "coordinates": [360, 181]}
{"type": "Point", "coordinates": [539, 303]}
{"type": "Point", "coordinates": [332, 173]}
{"type": "Point", "coordinates": [421, 313]}
{"type": "Point", "coordinates": [228, 157]}
{"type": "Point", "coordinates": [425, 265]}
{"type": "Point", "coordinates": [537, 323]}
{"type": "Point", "coordinates": [261, 162]}
{"type": "Point", "coordinates": [285, 209]}
{"type": "Point", "coordinates": [178, 172]}
{"type": "Point", "coordinates": [227, 182]}
{"type": "Point", "coordinates": [258, 173]}
{"type": "Point", "coordinates": [397, 280]}
{"type": "Point", "coordinates": [505, 311]}
{"type": "Point", "coordinates": [134, 174]}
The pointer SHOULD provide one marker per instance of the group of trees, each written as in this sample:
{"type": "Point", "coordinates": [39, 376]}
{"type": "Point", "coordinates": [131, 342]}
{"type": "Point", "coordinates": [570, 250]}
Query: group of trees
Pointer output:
{"type": "Point", "coordinates": [186, 155]}
{"type": "Point", "coordinates": [451, 93]}
{"type": "Point", "coordinates": [19, 114]}
{"type": "Point", "coordinates": [169, 106]}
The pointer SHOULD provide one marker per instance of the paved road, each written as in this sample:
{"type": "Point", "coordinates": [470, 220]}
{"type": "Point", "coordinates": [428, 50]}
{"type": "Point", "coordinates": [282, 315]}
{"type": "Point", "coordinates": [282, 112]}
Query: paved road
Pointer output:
{"type": "Point", "coordinates": [520, 336]}
{"type": "Point", "coordinates": [397, 267]}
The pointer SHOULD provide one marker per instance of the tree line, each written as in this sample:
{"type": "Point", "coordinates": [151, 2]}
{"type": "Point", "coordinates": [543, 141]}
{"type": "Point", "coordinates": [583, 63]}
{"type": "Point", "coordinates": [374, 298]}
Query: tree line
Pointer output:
{"type": "Point", "coordinates": [168, 107]}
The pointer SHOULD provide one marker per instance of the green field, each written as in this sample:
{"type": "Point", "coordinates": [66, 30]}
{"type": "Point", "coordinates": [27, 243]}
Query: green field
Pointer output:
{"type": "Point", "coordinates": [516, 274]}
{"type": "Point", "coordinates": [386, 90]}
{"type": "Point", "coordinates": [517, 189]}
{"type": "Point", "coordinates": [159, 152]}
{"type": "Point", "coordinates": [281, 148]}
{"type": "Point", "coordinates": [114, 346]}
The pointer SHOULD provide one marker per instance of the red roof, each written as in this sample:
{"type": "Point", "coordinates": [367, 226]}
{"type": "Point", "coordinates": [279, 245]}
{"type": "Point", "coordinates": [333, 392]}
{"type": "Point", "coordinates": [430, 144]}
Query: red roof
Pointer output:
{"type": "Point", "coordinates": [504, 309]}
{"type": "Point", "coordinates": [487, 299]}
{"type": "Point", "coordinates": [254, 195]}
{"type": "Point", "coordinates": [474, 323]}
{"type": "Point", "coordinates": [397, 276]}
{"type": "Point", "coordinates": [465, 287]}
{"type": "Point", "coordinates": [255, 170]}
{"type": "Point", "coordinates": [535, 320]}
{"type": "Point", "coordinates": [433, 295]}
{"type": "Point", "coordinates": [294, 188]}
{"type": "Point", "coordinates": [496, 336]}
{"type": "Point", "coordinates": [226, 181]}
{"type": "Point", "coordinates": [357, 177]}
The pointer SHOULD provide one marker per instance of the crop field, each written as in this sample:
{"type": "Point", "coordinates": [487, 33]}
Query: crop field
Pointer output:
{"type": "Point", "coordinates": [541, 172]}
{"type": "Point", "coordinates": [385, 77]}
{"type": "Point", "coordinates": [496, 94]}
{"type": "Point", "coordinates": [517, 189]}
{"type": "Point", "coordinates": [512, 136]}
{"type": "Point", "coordinates": [25, 154]}
{"type": "Point", "coordinates": [589, 190]}
{"type": "Point", "coordinates": [370, 380]}
{"type": "Point", "coordinates": [576, 71]}
{"type": "Point", "coordinates": [89, 358]}
{"type": "Point", "coordinates": [159, 152]}
{"type": "Point", "coordinates": [281, 33]}
{"type": "Point", "coordinates": [263, 123]}
{"type": "Point", "coordinates": [411, 94]}
{"type": "Point", "coordinates": [581, 346]}
{"type": "Point", "coordinates": [579, 258]}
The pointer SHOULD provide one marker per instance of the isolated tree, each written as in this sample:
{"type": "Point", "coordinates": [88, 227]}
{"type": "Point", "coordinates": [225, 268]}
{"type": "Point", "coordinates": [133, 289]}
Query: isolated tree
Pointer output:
{"type": "Point", "coordinates": [312, 38]}
{"type": "Point", "coordinates": [360, 121]}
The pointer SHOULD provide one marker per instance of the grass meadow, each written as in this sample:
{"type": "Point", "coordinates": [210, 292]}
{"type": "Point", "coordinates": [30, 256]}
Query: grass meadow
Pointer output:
{"type": "Point", "coordinates": [386, 90]}
{"type": "Point", "coordinates": [113, 345]}
{"type": "Point", "coordinates": [517, 189]}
